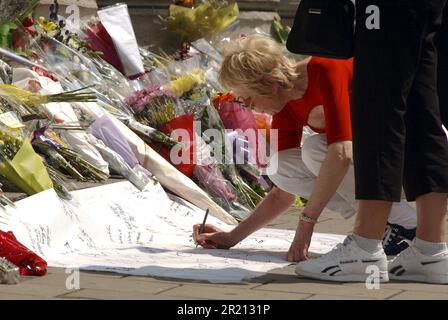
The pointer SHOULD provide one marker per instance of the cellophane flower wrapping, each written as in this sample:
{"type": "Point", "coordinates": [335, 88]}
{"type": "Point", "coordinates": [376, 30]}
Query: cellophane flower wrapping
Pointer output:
{"type": "Point", "coordinates": [61, 113]}
{"type": "Point", "coordinates": [19, 164]}
{"type": "Point", "coordinates": [5, 73]}
{"type": "Point", "coordinates": [117, 163]}
{"type": "Point", "coordinates": [104, 129]}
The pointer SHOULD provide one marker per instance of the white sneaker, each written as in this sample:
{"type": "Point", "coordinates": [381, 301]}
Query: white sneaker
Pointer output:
{"type": "Point", "coordinates": [347, 262]}
{"type": "Point", "coordinates": [412, 265]}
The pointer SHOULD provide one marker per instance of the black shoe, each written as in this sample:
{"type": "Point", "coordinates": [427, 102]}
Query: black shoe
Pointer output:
{"type": "Point", "coordinates": [397, 238]}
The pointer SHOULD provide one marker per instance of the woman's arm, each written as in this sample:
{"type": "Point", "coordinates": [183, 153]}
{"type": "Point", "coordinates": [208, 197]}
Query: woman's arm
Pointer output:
{"type": "Point", "coordinates": [273, 205]}
{"type": "Point", "coordinates": [276, 202]}
{"type": "Point", "coordinates": [331, 174]}
{"type": "Point", "coordinates": [332, 171]}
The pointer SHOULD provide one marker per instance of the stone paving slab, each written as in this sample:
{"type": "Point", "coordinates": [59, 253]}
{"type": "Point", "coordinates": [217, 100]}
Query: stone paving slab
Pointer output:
{"type": "Point", "coordinates": [210, 292]}
{"type": "Point", "coordinates": [101, 294]}
{"type": "Point", "coordinates": [417, 288]}
{"type": "Point", "coordinates": [329, 297]}
{"type": "Point", "coordinates": [241, 285]}
{"type": "Point", "coordinates": [410, 295]}
{"type": "Point", "coordinates": [303, 286]}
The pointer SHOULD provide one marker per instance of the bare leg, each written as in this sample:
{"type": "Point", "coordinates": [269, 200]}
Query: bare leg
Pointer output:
{"type": "Point", "coordinates": [372, 218]}
{"type": "Point", "coordinates": [431, 217]}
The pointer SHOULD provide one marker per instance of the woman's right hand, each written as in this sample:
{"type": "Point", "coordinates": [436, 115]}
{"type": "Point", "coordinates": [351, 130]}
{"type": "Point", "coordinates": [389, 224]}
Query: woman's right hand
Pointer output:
{"type": "Point", "coordinates": [213, 237]}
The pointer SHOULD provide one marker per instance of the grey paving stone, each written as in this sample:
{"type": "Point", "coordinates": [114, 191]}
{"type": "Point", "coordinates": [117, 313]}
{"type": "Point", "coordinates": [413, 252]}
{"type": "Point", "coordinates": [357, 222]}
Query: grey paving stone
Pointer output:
{"type": "Point", "coordinates": [336, 289]}
{"type": "Point", "coordinates": [108, 294]}
{"type": "Point", "coordinates": [241, 285]}
{"type": "Point", "coordinates": [191, 291]}
{"type": "Point", "coordinates": [328, 297]}
{"type": "Point", "coordinates": [409, 286]}
{"type": "Point", "coordinates": [38, 290]}
{"type": "Point", "coordinates": [15, 296]}
{"type": "Point", "coordinates": [420, 295]}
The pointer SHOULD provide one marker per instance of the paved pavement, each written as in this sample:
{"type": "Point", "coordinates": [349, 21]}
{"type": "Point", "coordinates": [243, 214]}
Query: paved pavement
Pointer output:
{"type": "Point", "coordinates": [279, 284]}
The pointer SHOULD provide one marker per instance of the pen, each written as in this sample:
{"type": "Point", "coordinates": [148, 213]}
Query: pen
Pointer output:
{"type": "Point", "coordinates": [203, 223]}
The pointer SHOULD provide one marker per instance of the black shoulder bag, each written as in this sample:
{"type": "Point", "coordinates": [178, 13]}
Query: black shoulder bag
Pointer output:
{"type": "Point", "coordinates": [323, 28]}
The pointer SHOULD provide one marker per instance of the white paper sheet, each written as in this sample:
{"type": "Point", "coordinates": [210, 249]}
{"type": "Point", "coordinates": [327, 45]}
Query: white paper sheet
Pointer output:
{"type": "Point", "coordinates": [118, 228]}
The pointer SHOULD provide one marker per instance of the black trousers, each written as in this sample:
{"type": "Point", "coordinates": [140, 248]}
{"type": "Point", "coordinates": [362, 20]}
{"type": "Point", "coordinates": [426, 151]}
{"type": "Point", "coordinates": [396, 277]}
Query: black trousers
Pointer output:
{"type": "Point", "coordinates": [398, 138]}
{"type": "Point", "coordinates": [442, 47]}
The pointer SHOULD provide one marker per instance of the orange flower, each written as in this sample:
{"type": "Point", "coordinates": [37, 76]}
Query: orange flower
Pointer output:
{"type": "Point", "coordinates": [220, 98]}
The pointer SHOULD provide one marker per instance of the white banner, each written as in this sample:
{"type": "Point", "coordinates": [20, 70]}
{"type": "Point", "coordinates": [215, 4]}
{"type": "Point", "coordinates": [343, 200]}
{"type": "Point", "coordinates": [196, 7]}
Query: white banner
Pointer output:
{"type": "Point", "coordinates": [120, 229]}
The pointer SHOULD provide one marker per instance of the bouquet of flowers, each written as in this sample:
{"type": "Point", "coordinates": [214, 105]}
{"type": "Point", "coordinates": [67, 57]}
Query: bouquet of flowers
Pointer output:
{"type": "Point", "coordinates": [210, 120]}
{"type": "Point", "coordinates": [18, 162]}
{"type": "Point", "coordinates": [204, 19]}
{"type": "Point", "coordinates": [153, 106]}
{"type": "Point", "coordinates": [31, 99]}
{"type": "Point", "coordinates": [187, 82]}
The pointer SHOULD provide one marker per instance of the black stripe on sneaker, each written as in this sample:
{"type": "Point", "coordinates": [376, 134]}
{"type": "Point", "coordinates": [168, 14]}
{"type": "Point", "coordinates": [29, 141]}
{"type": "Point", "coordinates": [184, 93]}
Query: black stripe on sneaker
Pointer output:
{"type": "Point", "coordinates": [370, 261]}
{"type": "Point", "coordinates": [429, 262]}
{"type": "Point", "coordinates": [329, 268]}
{"type": "Point", "coordinates": [394, 269]}
{"type": "Point", "coordinates": [399, 273]}
{"type": "Point", "coordinates": [333, 273]}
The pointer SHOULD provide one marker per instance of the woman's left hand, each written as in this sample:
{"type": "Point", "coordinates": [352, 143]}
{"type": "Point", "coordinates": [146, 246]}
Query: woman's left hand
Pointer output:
{"type": "Point", "coordinates": [298, 251]}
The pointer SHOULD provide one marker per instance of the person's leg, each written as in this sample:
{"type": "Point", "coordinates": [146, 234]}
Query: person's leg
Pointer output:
{"type": "Point", "coordinates": [378, 182]}
{"type": "Point", "coordinates": [442, 81]}
{"type": "Point", "coordinates": [426, 159]}
{"type": "Point", "coordinates": [431, 209]}
{"type": "Point", "coordinates": [386, 61]}
{"type": "Point", "coordinates": [288, 172]}
{"type": "Point", "coordinates": [426, 169]}
{"type": "Point", "coordinates": [426, 260]}
{"type": "Point", "coordinates": [314, 152]}
{"type": "Point", "coordinates": [368, 227]}
{"type": "Point", "coordinates": [292, 175]}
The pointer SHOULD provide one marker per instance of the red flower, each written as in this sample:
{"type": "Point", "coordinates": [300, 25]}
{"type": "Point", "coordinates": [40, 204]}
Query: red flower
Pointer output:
{"type": "Point", "coordinates": [28, 22]}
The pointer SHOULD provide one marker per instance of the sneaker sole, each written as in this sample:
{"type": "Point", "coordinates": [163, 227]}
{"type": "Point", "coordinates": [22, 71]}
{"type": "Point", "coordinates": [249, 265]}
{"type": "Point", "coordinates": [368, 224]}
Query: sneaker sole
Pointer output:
{"type": "Point", "coordinates": [433, 278]}
{"type": "Point", "coordinates": [384, 277]}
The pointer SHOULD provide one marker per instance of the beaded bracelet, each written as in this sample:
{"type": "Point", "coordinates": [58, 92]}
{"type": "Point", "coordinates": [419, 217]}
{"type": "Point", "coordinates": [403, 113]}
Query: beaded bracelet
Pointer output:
{"type": "Point", "coordinates": [304, 217]}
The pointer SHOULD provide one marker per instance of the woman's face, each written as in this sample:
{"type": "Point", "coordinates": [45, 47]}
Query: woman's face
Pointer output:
{"type": "Point", "coordinates": [254, 101]}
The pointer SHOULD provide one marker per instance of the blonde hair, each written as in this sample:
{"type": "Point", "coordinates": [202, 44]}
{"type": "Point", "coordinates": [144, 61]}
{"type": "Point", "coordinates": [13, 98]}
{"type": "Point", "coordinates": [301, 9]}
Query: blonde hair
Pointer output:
{"type": "Point", "coordinates": [254, 62]}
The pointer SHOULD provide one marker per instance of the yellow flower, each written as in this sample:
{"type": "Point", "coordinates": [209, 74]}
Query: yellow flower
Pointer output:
{"type": "Point", "coordinates": [47, 26]}
{"type": "Point", "coordinates": [187, 82]}
{"type": "Point", "coordinates": [206, 19]}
